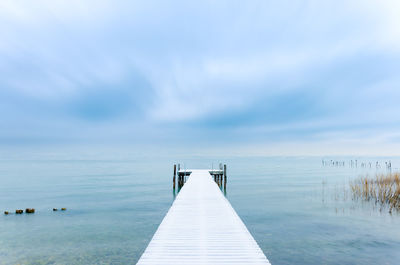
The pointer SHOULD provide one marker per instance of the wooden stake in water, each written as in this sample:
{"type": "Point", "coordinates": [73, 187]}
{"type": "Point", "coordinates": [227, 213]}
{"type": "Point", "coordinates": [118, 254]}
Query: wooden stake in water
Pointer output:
{"type": "Point", "coordinates": [225, 171]}
{"type": "Point", "coordinates": [224, 176]}
{"type": "Point", "coordinates": [174, 176]}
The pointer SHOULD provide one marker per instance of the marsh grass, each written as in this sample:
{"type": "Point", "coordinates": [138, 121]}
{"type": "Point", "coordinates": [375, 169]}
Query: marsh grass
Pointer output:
{"type": "Point", "coordinates": [383, 189]}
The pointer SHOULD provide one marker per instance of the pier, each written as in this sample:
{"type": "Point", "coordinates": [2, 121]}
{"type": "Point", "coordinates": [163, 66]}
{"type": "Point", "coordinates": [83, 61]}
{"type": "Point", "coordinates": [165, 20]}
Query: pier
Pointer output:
{"type": "Point", "coordinates": [219, 176]}
{"type": "Point", "coordinates": [201, 227]}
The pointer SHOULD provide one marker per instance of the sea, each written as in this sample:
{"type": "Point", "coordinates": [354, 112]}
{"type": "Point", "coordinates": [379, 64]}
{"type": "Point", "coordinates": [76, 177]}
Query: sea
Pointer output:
{"type": "Point", "coordinates": [299, 209]}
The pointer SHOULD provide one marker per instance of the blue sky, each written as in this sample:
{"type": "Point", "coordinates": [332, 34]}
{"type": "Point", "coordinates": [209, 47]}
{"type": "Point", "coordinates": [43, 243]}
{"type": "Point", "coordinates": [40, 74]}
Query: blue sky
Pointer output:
{"type": "Point", "coordinates": [275, 77]}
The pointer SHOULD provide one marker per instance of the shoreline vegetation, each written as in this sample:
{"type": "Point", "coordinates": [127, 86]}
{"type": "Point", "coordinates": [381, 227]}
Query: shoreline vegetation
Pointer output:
{"type": "Point", "coordinates": [382, 189]}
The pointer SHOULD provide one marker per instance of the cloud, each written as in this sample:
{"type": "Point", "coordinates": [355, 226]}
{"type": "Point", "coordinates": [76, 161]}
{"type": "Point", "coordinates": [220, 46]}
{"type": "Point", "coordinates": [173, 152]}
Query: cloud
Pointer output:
{"type": "Point", "coordinates": [229, 70]}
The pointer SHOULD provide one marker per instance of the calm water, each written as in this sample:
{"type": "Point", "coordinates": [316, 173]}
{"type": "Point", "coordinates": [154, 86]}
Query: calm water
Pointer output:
{"type": "Point", "coordinates": [297, 210]}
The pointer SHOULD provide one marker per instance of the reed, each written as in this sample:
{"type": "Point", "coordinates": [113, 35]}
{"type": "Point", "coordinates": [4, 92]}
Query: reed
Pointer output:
{"type": "Point", "coordinates": [383, 189]}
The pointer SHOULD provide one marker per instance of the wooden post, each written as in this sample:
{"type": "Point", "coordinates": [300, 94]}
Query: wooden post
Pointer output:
{"type": "Point", "coordinates": [174, 176]}
{"type": "Point", "coordinates": [225, 172]}
{"type": "Point", "coordinates": [225, 180]}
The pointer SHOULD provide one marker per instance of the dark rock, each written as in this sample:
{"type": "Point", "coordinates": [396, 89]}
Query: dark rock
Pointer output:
{"type": "Point", "coordinates": [29, 210]}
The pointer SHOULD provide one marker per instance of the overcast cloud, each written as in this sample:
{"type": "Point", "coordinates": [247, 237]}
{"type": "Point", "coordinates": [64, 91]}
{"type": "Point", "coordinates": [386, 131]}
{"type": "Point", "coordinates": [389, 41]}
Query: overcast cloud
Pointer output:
{"type": "Point", "coordinates": [209, 72]}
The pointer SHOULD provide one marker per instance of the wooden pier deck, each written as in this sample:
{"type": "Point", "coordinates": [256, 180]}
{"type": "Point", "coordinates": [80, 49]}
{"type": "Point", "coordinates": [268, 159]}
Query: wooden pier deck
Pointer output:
{"type": "Point", "coordinates": [201, 227]}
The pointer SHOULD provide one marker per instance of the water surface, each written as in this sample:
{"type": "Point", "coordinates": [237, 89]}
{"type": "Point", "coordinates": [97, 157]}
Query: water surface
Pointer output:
{"type": "Point", "coordinates": [297, 210]}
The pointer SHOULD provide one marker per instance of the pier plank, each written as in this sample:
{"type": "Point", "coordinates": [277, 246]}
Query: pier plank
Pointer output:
{"type": "Point", "coordinates": [201, 227]}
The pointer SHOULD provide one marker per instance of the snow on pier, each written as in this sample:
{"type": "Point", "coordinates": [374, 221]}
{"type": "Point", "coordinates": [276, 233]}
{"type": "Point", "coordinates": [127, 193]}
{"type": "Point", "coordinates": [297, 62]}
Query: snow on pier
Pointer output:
{"type": "Point", "coordinates": [201, 227]}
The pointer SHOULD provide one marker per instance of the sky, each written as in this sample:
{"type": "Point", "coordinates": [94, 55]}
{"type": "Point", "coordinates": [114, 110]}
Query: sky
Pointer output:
{"type": "Point", "coordinates": [251, 77]}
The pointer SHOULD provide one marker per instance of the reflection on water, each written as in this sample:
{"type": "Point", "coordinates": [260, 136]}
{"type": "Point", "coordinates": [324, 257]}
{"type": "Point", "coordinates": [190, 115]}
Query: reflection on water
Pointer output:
{"type": "Point", "coordinates": [299, 211]}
